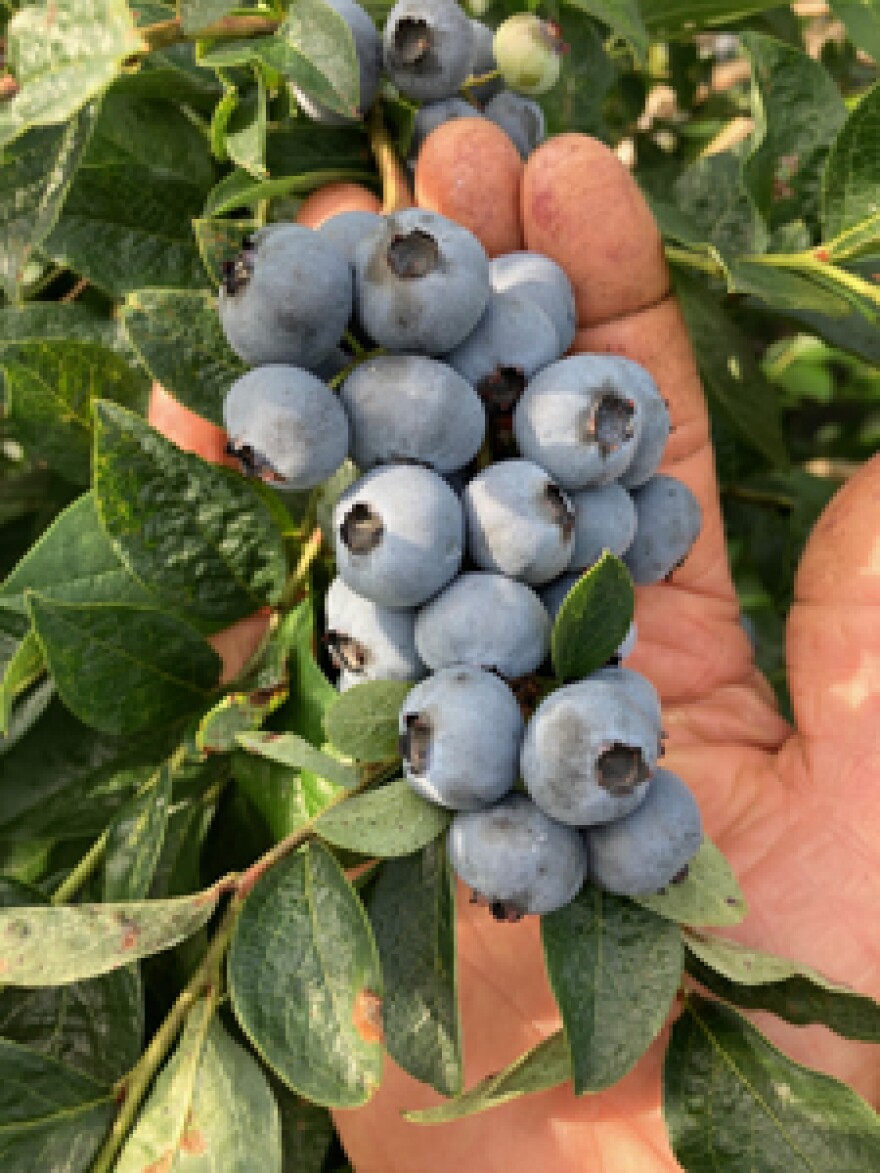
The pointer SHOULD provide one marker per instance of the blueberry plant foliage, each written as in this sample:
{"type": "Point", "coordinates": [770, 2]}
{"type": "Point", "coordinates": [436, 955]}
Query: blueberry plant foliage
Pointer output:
{"type": "Point", "coordinates": [221, 905]}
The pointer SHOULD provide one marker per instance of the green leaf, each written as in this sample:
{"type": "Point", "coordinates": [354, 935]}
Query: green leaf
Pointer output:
{"type": "Point", "coordinates": [712, 192]}
{"type": "Point", "coordinates": [708, 895]}
{"type": "Point", "coordinates": [732, 1101]}
{"type": "Point", "coordinates": [798, 111]}
{"type": "Point", "coordinates": [412, 910]}
{"type": "Point", "coordinates": [198, 14]}
{"type": "Point", "coordinates": [578, 98]}
{"type": "Point", "coordinates": [312, 691]}
{"type": "Point", "coordinates": [178, 335]}
{"type": "Point", "coordinates": [545, 1066]}
{"type": "Point", "coordinates": [126, 226]}
{"type": "Point", "coordinates": [683, 16]}
{"type": "Point", "coordinates": [307, 1130]}
{"type": "Point", "coordinates": [761, 981]}
{"type": "Point", "coordinates": [302, 147]}
{"type": "Point", "coordinates": [729, 370]}
{"type": "Point", "coordinates": [623, 17]}
{"type": "Point", "coordinates": [63, 53]}
{"type": "Point", "coordinates": [594, 617]}
{"type": "Point", "coordinates": [289, 749]}
{"type": "Point", "coordinates": [23, 670]}
{"type": "Point", "coordinates": [51, 388]}
{"type": "Point", "coordinates": [121, 668]}
{"type": "Point", "coordinates": [198, 536]}
{"type": "Point", "coordinates": [37, 172]}
{"type": "Point", "coordinates": [51, 1117]}
{"type": "Point", "coordinates": [134, 842]}
{"type": "Point", "coordinates": [315, 50]}
{"type": "Point", "coordinates": [236, 713]}
{"type": "Point", "coordinates": [615, 969]}
{"type": "Point", "coordinates": [303, 975]}
{"type": "Point", "coordinates": [211, 1108]}
{"type": "Point", "coordinates": [41, 321]}
{"type": "Point", "coordinates": [73, 562]}
{"type": "Point", "coordinates": [862, 20]}
{"type": "Point", "coordinates": [386, 822]}
{"type": "Point", "coordinates": [852, 172]}
{"type": "Point", "coordinates": [240, 190]}
{"type": "Point", "coordinates": [245, 132]}
{"type": "Point", "coordinates": [51, 946]}
{"type": "Point", "coordinates": [285, 799]}
{"type": "Point", "coordinates": [363, 722]}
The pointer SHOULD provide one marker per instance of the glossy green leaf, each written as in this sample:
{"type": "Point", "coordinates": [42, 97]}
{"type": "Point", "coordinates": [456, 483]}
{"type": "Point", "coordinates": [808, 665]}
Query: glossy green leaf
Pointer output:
{"type": "Point", "coordinates": [304, 977]}
{"type": "Point", "coordinates": [286, 799]}
{"type": "Point", "coordinates": [315, 50]}
{"type": "Point", "coordinates": [134, 842]}
{"type": "Point", "coordinates": [389, 821]}
{"type": "Point", "coordinates": [51, 1117]}
{"type": "Point", "coordinates": [245, 132]}
{"type": "Point", "coordinates": [852, 172]}
{"type": "Point", "coordinates": [761, 981]}
{"type": "Point", "coordinates": [412, 910]}
{"type": "Point", "coordinates": [50, 946]}
{"type": "Point", "coordinates": [198, 14]}
{"type": "Point", "coordinates": [51, 388]}
{"type": "Point", "coordinates": [36, 174]}
{"type": "Point", "coordinates": [240, 190]}
{"type": "Point", "coordinates": [363, 722]}
{"type": "Point", "coordinates": [732, 1101]}
{"type": "Point", "coordinates": [23, 670]}
{"type": "Point", "coordinates": [615, 969]}
{"type": "Point", "coordinates": [712, 193]}
{"type": "Point", "coordinates": [545, 1066]}
{"type": "Point", "coordinates": [126, 226]}
{"type": "Point", "coordinates": [40, 321]}
{"type": "Point", "coordinates": [73, 562]}
{"type": "Point", "coordinates": [289, 749]}
{"type": "Point", "coordinates": [301, 147]}
{"type": "Point", "coordinates": [708, 895]}
{"type": "Point", "coordinates": [593, 619]}
{"type": "Point", "coordinates": [195, 534]}
{"type": "Point", "coordinates": [799, 111]}
{"type": "Point", "coordinates": [311, 691]}
{"type": "Point", "coordinates": [178, 335]}
{"type": "Point", "coordinates": [121, 668]}
{"type": "Point", "coordinates": [63, 53]}
{"type": "Point", "coordinates": [623, 17]}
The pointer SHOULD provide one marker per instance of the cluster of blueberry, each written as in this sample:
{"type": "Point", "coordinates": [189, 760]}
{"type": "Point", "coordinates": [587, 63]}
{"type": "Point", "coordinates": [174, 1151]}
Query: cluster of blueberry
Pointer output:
{"type": "Point", "coordinates": [430, 48]}
{"type": "Point", "coordinates": [441, 553]}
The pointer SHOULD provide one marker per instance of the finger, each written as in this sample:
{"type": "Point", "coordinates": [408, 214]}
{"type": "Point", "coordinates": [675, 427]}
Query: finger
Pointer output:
{"type": "Point", "coordinates": [329, 201]}
{"type": "Point", "coordinates": [469, 171]}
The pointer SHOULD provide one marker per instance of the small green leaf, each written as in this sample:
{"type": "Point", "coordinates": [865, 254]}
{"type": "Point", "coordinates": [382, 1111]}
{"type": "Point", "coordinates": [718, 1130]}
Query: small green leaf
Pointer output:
{"type": "Point", "coordinates": [289, 749]}
{"type": "Point", "coordinates": [732, 1101]}
{"type": "Point", "coordinates": [412, 910]}
{"type": "Point", "coordinates": [761, 981]}
{"type": "Point", "coordinates": [134, 842]}
{"type": "Point", "coordinates": [63, 53]}
{"type": "Point", "coordinates": [615, 970]}
{"type": "Point", "coordinates": [708, 895]}
{"type": "Point", "coordinates": [52, 946]}
{"type": "Point", "coordinates": [363, 722]}
{"type": "Point", "coordinates": [240, 190]}
{"type": "Point", "coordinates": [51, 1117]}
{"type": "Point", "coordinates": [245, 131]}
{"type": "Point", "coordinates": [545, 1066]}
{"type": "Point", "coordinates": [314, 48]}
{"type": "Point", "coordinates": [623, 17]}
{"type": "Point", "coordinates": [852, 172]}
{"type": "Point", "coordinates": [387, 822]}
{"type": "Point", "coordinates": [23, 670]}
{"type": "Point", "coordinates": [304, 978]}
{"type": "Point", "coordinates": [122, 669]}
{"type": "Point", "coordinates": [593, 619]}
{"type": "Point", "coordinates": [177, 333]}
{"type": "Point", "coordinates": [236, 713]}
{"type": "Point", "coordinates": [198, 536]}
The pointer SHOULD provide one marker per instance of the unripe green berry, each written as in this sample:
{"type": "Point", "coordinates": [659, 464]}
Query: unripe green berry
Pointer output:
{"type": "Point", "coordinates": [528, 52]}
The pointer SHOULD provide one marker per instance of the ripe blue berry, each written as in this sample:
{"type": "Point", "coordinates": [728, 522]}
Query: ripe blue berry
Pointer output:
{"type": "Point", "coordinates": [428, 47]}
{"type": "Point", "coordinates": [369, 642]}
{"type": "Point", "coordinates": [521, 119]}
{"type": "Point", "coordinates": [544, 282]}
{"type": "Point", "coordinates": [668, 521]}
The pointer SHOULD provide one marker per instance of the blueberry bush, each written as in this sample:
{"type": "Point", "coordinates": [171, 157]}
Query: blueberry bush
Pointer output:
{"type": "Point", "coordinates": [224, 901]}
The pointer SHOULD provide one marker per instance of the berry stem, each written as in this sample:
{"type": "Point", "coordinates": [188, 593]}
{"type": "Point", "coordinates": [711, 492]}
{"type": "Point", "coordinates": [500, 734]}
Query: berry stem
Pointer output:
{"type": "Point", "coordinates": [310, 551]}
{"type": "Point", "coordinates": [166, 33]}
{"type": "Point", "coordinates": [478, 79]}
{"type": "Point", "coordinates": [395, 190]}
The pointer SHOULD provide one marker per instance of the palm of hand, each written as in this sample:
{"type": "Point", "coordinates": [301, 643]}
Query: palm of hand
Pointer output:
{"type": "Point", "coordinates": [794, 811]}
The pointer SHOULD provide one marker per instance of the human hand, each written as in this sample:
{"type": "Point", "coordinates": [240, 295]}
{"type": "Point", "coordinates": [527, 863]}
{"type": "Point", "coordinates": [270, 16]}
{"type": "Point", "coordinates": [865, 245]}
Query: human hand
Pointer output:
{"type": "Point", "coordinates": [793, 811]}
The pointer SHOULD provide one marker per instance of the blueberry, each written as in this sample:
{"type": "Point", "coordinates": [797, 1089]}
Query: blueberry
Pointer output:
{"type": "Point", "coordinates": [544, 282]}
{"type": "Point", "coordinates": [553, 595]}
{"type": "Point", "coordinates": [516, 859]}
{"type": "Point", "coordinates": [485, 620]}
{"type": "Point", "coordinates": [422, 283]}
{"type": "Point", "coordinates": [529, 53]}
{"type": "Point", "coordinates": [285, 426]}
{"type": "Point", "coordinates": [604, 519]}
{"type": "Point", "coordinates": [580, 421]}
{"type": "Point", "coordinates": [519, 522]}
{"type": "Point", "coordinates": [407, 407]}
{"type": "Point", "coordinates": [637, 688]}
{"type": "Point", "coordinates": [588, 753]}
{"type": "Point", "coordinates": [287, 298]}
{"type": "Point", "coordinates": [347, 230]}
{"type": "Point", "coordinates": [399, 535]}
{"type": "Point", "coordinates": [434, 114]}
{"type": "Point", "coordinates": [369, 642]}
{"type": "Point", "coordinates": [460, 733]}
{"type": "Point", "coordinates": [513, 340]}
{"type": "Point", "coordinates": [368, 47]}
{"type": "Point", "coordinates": [668, 521]}
{"type": "Point", "coordinates": [483, 62]}
{"type": "Point", "coordinates": [521, 119]}
{"type": "Point", "coordinates": [648, 848]}
{"type": "Point", "coordinates": [655, 427]}
{"type": "Point", "coordinates": [428, 46]}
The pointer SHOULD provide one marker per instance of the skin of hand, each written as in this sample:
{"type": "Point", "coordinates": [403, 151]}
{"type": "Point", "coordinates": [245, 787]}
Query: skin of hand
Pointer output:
{"type": "Point", "coordinates": [793, 809]}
